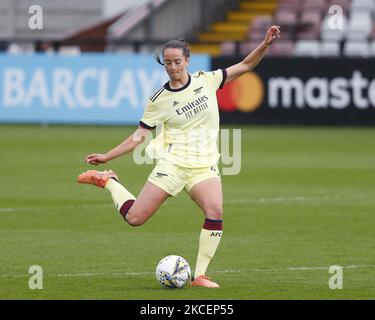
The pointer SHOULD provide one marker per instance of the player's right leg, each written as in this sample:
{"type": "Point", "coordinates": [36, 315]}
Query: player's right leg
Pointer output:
{"type": "Point", "coordinates": [134, 211]}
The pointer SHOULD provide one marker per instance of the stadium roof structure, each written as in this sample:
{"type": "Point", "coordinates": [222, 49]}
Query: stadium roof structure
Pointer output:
{"type": "Point", "coordinates": [135, 15]}
{"type": "Point", "coordinates": [92, 37]}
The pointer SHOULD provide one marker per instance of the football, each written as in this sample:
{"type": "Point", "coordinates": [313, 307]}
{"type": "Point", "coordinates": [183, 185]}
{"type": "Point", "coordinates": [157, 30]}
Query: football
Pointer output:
{"type": "Point", "coordinates": [173, 272]}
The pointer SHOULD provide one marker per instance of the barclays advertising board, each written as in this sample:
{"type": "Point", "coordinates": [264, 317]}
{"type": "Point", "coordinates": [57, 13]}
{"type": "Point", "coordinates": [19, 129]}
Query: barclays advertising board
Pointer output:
{"type": "Point", "coordinates": [85, 89]}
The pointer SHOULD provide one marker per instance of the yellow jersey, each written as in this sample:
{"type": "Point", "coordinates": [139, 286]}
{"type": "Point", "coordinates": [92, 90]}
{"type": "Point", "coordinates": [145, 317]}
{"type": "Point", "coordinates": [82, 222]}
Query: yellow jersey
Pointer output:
{"type": "Point", "coordinates": [188, 119]}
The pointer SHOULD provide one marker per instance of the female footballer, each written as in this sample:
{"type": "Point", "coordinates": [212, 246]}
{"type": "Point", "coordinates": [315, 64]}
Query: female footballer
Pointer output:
{"type": "Point", "coordinates": [186, 150]}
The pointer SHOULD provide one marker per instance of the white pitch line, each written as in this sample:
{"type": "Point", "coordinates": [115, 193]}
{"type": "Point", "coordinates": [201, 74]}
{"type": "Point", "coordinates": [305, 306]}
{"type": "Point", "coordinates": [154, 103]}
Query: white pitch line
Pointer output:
{"type": "Point", "coordinates": [232, 201]}
{"type": "Point", "coordinates": [81, 206]}
{"type": "Point", "coordinates": [293, 269]}
{"type": "Point", "coordinates": [291, 199]}
{"type": "Point", "coordinates": [96, 274]}
{"type": "Point", "coordinates": [126, 274]}
{"type": "Point", "coordinates": [7, 209]}
{"type": "Point", "coordinates": [83, 274]}
{"type": "Point", "coordinates": [270, 200]}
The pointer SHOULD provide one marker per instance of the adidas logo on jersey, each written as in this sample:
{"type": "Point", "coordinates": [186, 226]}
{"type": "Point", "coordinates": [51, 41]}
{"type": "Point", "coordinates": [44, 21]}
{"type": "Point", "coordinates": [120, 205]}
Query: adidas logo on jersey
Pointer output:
{"type": "Point", "coordinates": [175, 103]}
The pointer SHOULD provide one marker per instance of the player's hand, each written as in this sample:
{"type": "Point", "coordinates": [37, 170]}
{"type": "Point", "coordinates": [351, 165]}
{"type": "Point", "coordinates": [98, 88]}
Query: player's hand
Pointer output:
{"type": "Point", "coordinates": [272, 33]}
{"type": "Point", "coordinates": [96, 158]}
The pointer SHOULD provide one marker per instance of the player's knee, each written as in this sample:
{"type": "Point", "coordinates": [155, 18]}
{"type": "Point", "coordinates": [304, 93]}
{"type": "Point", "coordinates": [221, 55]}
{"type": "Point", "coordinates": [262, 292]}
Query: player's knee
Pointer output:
{"type": "Point", "coordinates": [214, 212]}
{"type": "Point", "coordinates": [134, 221]}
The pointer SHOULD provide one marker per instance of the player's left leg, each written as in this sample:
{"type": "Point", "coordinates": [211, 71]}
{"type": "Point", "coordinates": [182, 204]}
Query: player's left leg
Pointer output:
{"type": "Point", "coordinates": [209, 197]}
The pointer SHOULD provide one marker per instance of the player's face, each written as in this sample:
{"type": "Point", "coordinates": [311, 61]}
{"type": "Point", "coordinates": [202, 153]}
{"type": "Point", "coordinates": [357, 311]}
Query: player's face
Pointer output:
{"type": "Point", "coordinates": [175, 63]}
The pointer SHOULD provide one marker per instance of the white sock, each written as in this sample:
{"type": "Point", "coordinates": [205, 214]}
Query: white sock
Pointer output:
{"type": "Point", "coordinates": [118, 192]}
{"type": "Point", "coordinates": [208, 242]}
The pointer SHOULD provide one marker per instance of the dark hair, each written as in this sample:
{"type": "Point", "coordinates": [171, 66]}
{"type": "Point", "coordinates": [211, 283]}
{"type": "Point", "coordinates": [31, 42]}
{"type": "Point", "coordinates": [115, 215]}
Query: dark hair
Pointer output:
{"type": "Point", "coordinates": [179, 43]}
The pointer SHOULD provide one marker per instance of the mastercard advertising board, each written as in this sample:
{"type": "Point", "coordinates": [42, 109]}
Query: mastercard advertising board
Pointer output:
{"type": "Point", "coordinates": [300, 91]}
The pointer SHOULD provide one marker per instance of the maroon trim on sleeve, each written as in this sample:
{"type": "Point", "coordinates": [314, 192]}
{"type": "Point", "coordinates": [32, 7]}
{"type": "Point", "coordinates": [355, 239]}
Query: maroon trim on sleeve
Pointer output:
{"type": "Point", "coordinates": [224, 78]}
{"type": "Point", "coordinates": [143, 125]}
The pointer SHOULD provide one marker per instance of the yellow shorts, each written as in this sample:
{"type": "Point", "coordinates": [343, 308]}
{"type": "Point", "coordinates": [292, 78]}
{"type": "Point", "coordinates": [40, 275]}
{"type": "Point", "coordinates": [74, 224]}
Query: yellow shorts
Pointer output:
{"type": "Point", "coordinates": [172, 178]}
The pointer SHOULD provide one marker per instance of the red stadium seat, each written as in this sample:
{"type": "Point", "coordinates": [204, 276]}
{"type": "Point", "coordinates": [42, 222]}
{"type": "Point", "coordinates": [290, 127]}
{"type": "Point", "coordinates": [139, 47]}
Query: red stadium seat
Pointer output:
{"type": "Point", "coordinates": [261, 23]}
{"type": "Point", "coordinates": [256, 34]}
{"type": "Point", "coordinates": [293, 5]}
{"type": "Point", "coordinates": [287, 20]}
{"type": "Point", "coordinates": [314, 5]}
{"type": "Point", "coordinates": [309, 25]}
{"type": "Point", "coordinates": [258, 27]}
{"type": "Point", "coordinates": [285, 17]}
{"type": "Point", "coordinates": [281, 48]}
{"type": "Point", "coordinates": [247, 47]}
{"type": "Point", "coordinates": [228, 48]}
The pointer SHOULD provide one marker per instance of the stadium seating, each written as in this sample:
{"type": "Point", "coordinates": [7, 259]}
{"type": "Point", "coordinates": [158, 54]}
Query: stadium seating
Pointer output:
{"type": "Point", "coordinates": [313, 5]}
{"type": "Point", "coordinates": [69, 50]}
{"type": "Point", "coordinates": [356, 49]}
{"type": "Point", "coordinates": [309, 25]}
{"type": "Point", "coordinates": [329, 49]}
{"type": "Point", "coordinates": [237, 27]}
{"type": "Point", "coordinates": [257, 27]}
{"type": "Point", "coordinates": [315, 48]}
{"type": "Point", "coordinates": [228, 48]}
{"type": "Point", "coordinates": [247, 47]}
{"type": "Point", "coordinates": [16, 48]}
{"type": "Point", "coordinates": [307, 48]}
{"type": "Point", "coordinates": [312, 28]}
{"type": "Point", "coordinates": [289, 4]}
{"type": "Point", "coordinates": [362, 5]}
{"type": "Point", "coordinates": [281, 48]}
{"type": "Point", "coordinates": [372, 49]}
{"type": "Point", "coordinates": [360, 25]}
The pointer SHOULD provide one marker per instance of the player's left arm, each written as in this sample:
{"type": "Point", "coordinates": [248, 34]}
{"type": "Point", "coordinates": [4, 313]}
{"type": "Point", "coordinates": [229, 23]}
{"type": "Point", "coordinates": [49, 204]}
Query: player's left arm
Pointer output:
{"type": "Point", "coordinates": [252, 60]}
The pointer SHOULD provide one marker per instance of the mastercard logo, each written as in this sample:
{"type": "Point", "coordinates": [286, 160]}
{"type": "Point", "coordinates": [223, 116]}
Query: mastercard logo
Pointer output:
{"type": "Point", "coordinates": [244, 94]}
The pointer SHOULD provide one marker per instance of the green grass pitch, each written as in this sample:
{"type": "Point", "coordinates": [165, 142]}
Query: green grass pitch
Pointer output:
{"type": "Point", "coordinates": [304, 201]}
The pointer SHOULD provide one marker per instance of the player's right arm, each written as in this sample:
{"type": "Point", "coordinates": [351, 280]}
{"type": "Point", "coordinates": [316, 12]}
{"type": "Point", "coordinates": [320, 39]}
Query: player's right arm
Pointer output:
{"type": "Point", "coordinates": [128, 145]}
{"type": "Point", "coordinates": [151, 118]}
